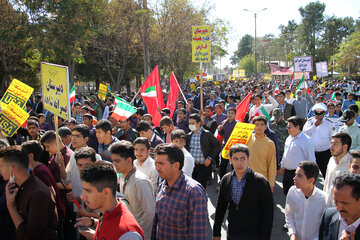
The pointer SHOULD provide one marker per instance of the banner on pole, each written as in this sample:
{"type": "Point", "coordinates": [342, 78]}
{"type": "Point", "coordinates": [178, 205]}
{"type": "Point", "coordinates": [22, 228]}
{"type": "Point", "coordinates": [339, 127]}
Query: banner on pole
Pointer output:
{"type": "Point", "coordinates": [102, 92]}
{"type": "Point", "coordinates": [18, 93]}
{"type": "Point", "coordinates": [11, 118]}
{"type": "Point", "coordinates": [303, 64]}
{"type": "Point", "coordinates": [321, 69]}
{"type": "Point", "coordinates": [240, 134]}
{"type": "Point", "coordinates": [267, 77]}
{"type": "Point", "coordinates": [55, 89]}
{"type": "Point", "coordinates": [201, 44]}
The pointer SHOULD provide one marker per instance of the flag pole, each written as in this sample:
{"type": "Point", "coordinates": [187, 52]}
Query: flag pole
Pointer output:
{"type": "Point", "coordinates": [201, 90]}
{"type": "Point", "coordinates": [135, 95]}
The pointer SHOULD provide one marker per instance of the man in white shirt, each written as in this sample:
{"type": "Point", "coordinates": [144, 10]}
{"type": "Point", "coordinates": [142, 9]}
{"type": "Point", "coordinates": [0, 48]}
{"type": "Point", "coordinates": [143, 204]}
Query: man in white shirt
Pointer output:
{"type": "Point", "coordinates": [135, 185]}
{"type": "Point", "coordinates": [343, 221]}
{"type": "Point", "coordinates": [305, 203]}
{"type": "Point", "coordinates": [339, 162]}
{"type": "Point", "coordinates": [351, 127]}
{"type": "Point", "coordinates": [144, 162]}
{"type": "Point", "coordinates": [298, 147]}
{"type": "Point", "coordinates": [178, 137]}
{"type": "Point", "coordinates": [354, 165]}
{"type": "Point", "coordinates": [260, 109]}
{"type": "Point", "coordinates": [320, 130]}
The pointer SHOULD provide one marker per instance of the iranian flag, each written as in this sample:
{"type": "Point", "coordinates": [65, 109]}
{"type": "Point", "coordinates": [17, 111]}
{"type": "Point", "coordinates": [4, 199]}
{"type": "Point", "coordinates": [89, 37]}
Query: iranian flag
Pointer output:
{"type": "Point", "coordinates": [303, 84]}
{"type": "Point", "coordinates": [72, 94]}
{"type": "Point", "coordinates": [152, 95]}
{"type": "Point", "coordinates": [117, 100]}
{"type": "Point", "coordinates": [292, 81]}
{"type": "Point", "coordinates": [173, 94]}
{"type": "Point", "coordinates": [123, 110]}
{"type": "Point", "coordinates": [109, 88]}
{"type": "Point", "coordinates": [263, 113]}
{"type": "Point", "coordinates": [242, 108]}
{"type": "Point", "coordinates": [277, 90]}
{"type": "Point", "coordinates": [333, 99]}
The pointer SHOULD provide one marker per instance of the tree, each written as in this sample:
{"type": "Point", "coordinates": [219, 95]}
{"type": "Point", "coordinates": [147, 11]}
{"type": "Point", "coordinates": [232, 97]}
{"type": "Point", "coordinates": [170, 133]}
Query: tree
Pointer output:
{"type": "Point", "coordinates": [309, 31]}
{"type": "Point", "coordinates": [245, 47]}
{"type": "Point", "coordinates": [248, 64]}
{"type": "Point", "coordinates": [347, 58]}
{"type": "Point", "coordinates": [288, 39]}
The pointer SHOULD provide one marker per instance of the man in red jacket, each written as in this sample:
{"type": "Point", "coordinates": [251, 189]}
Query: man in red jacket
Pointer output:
{"type": "Point", "coordinates": [99, 181]}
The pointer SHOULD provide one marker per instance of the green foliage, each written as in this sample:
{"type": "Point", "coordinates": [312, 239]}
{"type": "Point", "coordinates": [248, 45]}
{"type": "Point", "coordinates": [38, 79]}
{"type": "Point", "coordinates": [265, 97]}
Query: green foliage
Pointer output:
{"type": "Point", "coordinates": [248, 63]}
{"type": "Point", "coordinates": [245, 47]}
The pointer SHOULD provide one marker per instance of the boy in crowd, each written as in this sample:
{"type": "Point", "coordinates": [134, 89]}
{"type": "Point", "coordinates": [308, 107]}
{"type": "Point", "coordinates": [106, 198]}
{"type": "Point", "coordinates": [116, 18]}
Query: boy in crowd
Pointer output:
{"type": "Point", "coordinates": [178, 137]}
{"type": "Point", "coordinates": [105, 139]}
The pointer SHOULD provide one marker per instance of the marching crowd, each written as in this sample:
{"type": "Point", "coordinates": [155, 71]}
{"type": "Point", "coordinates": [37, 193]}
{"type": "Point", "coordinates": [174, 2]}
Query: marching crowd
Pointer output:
{"type": "Point", "coordinates": [98, 178]}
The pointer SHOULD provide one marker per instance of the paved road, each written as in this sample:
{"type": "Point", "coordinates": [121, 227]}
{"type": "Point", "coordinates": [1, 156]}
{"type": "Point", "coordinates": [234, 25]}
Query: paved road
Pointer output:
{"type": "Point", "coordinates": [279, 209]}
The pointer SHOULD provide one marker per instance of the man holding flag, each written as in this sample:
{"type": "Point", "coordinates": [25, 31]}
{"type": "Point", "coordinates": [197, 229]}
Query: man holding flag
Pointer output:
{"type": "Point", "coordinates": [260, 109]}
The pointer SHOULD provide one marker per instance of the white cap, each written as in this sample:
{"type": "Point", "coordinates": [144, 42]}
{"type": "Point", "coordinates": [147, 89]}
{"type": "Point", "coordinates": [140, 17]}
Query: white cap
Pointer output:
{"type": "Point", "coordinates": [319, 106]}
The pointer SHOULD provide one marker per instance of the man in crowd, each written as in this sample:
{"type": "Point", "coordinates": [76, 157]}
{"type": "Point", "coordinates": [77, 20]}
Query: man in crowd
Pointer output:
{"type": "Point", "coordinates": [28, 199]}
{"type": "Point", "coordinates": [262, 151]}
{"type": "Point", "coordinates": [92, 141]}
{"type": "Point", "coordinates": [298, 147]}
{"type": "Point", "coordinates": [339, 162]}
{"type": "Point", "coordinates": [105, 139]}
{"type": "Point", "coordinates": [134, 185]}
{"type": "Point", "coordinates": [178, 137]}
{"type": "Point", "coordinates": [305, 203]}
{"type": "Point", "coordinates": [181, 122]}
{"type": "Point", "coordinates": [320, 130]}
{"type": "Point", "coordinates": [219, 114]}
{"type": "Point", "coordinates": [300, 105]}
{"type": "Point", "coordinates": [168, 126]}
{"type": "Point", "coordinates": [286, 108]}
{"type": "Point", "coordinates": [181, 202]}
{"type": "Point", "coordinates": [130, 134]}
{"type": "Point", "coordinates": [99, 181]}
{"type": "Point", "coordinates": [145, 130]}
{"type": "Point", "coordinates": [209, 122]}
{"type": "Point", "coordinates": [247, 195]}
{"type": "Point", "coordinates": [279, 126]}
{"type": "Point", "coordinates": [77, 112]}
{"type": "Point", "coordinates": [204, 147]}
{"type": "Point", "coordinates": [260, 109]}
{"type": "Point", "coordinates": [351, 127]}
{"type": "Point", "coordinates": [354, 165]}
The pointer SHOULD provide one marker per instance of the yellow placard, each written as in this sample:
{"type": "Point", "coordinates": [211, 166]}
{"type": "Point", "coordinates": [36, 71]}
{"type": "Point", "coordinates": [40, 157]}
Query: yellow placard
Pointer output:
{"type": "Point", "coordinates": [358, 103]}
{"type": "Point", "coordinates": [242, 73]}
{"type": "Point", "coordinates": [314, 77]}
{"type": "Point", "coordinates": [55, 89]}
{"type": "Point", "coordinates": [102, 92]}
{"type": "Point", "coordinates": [18, 93]}
{"type": "Point", "coordinates": [267, 77]}
{"type": "Point", "coordinates": [201, 44]}
{"type": "Point", "coordinates": [192, 87]}
{"type": "Point", "coordinates": [11, 118]}
{"type": "Point", "coordinates": [240, 134]}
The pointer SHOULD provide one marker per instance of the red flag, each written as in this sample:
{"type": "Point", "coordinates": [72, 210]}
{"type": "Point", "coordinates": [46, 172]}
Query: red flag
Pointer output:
{"type": "Point", "coordinates": [242, 108]}
{"type": "Point", "coordinates": [173, 94]}
{"type": "Point", "coordinates": [152, 95]}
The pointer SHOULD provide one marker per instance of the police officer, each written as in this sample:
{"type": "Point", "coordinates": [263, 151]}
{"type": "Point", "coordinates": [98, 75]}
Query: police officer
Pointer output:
{"type": "Point", "coordinates": [279, 126]}
{"type": "Point", "coordinates": [320, 130]}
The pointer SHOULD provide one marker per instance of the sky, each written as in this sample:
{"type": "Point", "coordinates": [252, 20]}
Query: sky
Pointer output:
{"type": "Point", "coordinates": [278, 12]}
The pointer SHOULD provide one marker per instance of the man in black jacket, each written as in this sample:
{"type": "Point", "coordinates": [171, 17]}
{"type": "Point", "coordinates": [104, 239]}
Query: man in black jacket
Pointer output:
{"type": "Point", "coordinates": [343, 222]}
{"type": "Point", "coordinates": [248, 197]}
{"type": "Point", "coordinates": [204, 148]}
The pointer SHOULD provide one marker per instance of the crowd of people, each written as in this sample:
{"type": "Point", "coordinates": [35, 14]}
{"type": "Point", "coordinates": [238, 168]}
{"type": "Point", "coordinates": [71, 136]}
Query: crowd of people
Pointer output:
{"type": "Point", "coordinates": [99, 178]}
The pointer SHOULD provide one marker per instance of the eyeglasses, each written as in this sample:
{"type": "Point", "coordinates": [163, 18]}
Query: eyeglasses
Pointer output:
{"type": "Point", "coordinates": [319, 112]}
{"type": "Point", "coordinates": [288, 126]}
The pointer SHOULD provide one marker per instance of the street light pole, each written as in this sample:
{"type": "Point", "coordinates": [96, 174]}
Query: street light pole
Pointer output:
{"type": "Point", "coordinates": [255, 13]}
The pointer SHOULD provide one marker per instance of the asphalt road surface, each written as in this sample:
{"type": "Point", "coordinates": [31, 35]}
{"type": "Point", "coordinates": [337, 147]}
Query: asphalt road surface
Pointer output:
{"type": "Point", "coordinates": [279, 208]}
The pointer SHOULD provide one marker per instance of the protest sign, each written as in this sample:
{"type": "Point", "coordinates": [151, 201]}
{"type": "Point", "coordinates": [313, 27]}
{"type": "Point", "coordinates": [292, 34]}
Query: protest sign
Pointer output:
{"type": "Point", "coordinates": [242, 73]}
{"type": "Point", "coordinates": [240, 134]}
{"type": "Point", "coordinates": [18, 93]}
{"type": "Point", "coordinates": [303, 64]}
{"type": "Point", "coordinates": [201, 44]}
{"type": "Point", "coordinates": [55, 89]}
{"type": "Point", "coordinates": [267, 77]}
{"type": "Point", "coordinates": [321, 69]}
{"type": "Point", "coordinates": [102, 92]}
{"type": "Point", "coordinates": [11, 118]}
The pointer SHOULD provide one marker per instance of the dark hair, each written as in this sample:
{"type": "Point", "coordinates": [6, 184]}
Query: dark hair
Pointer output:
{"type": "Point", "coordinates": [354, 154]}
{"type": "Point", "coordinates": [89, 116]}
{"type": "Point", "coordinates": [239, 148]}
{"type": "Point", "coordinates": [143, 126]}
{"type": "Point", "coordinates": [281, 93]}
{"type": "Point", "coordinates": [83, 129]}
{"type": "Point", "coordinates": [32, 122]}
{"type": "Point", "coordinates": [33, 147]}
{"type": "Point", "coordinates": [210, 108]}
{"type": "Point", "coordinates": [166, 121]}
{"type": "Point", "coordinates": [296, 121]}
{"type": "Point", "coordinates": [124, 149]}
{"type": "Point", "coordinates": [330, 104]}
{"type": "Point", "coordinates": [232, 109]}
{"type": "Point", "coordinates": [48, 137]}
{"type": "Point", "coordinates": [140, 111]}
{"type": "Point", "coordinates": [354, 107]}
{"type": "Point", "coordinates": [104, 125]}
{"type": "Point", "coordinates": [73, 121]}
{"type": "Point", "coordinates": [87, 109]}
{"type": "Point", "coordinates": [100, 174]}
{"type": "Point", "coordinates": [349, 179]}
{"type": "Point", "coordinates": [77, 104]}
{"type": "Point", "coordinates": [166, 111]}
{"type": "Point", "coordinates": [231, 97]}
{"type": "Point", "coordinates": [344, 138]}
{"type": "Point", "coordinates": [142, 140]}
{"type": "Point", "coordinates": [258, 96]}
{"type": "Point", "coordinates": [41, 115]}
{"type": "Point", "coordinates": [218, 105]}
{"type": "Point", "coordinates": [183, 110]}
{"type": "Point", "coordinates": [178, 133]}
{"type": "Point", "coordinates": [310, 169]}
{"type": "Point", "coordinates": [147, 115]}
{"type": "Point", "coordinates": [87, 102]}
{"type": "Point", "coordinates": [15, 154]}
{"type": "Point", "coordinates": [195, 117]}
{"type": "Point", "coordinates": [260, 118]}
{"type": "Point", "coordinates": [85, 152]}
{"type": "Point", "coordinates": [174, 153]}
{"type": "Point", "coordinates": [64, 131]}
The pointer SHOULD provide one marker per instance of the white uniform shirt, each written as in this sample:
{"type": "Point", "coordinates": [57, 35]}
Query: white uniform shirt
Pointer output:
{"type": "Point", "coordinates": [332, 171]}
{"type": "Point", "coordinates": [354, 132]}
{"type": "Point", "coordinates": [148, 168]}
{"type": "Point", "coordinates": [321, 135]}
{"type": "Point", "coordinates": [303, 216]}
{"type": "Point", "coordinates": [297, 149]}
{"type": "Point", "coordinates": [189, 163]}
